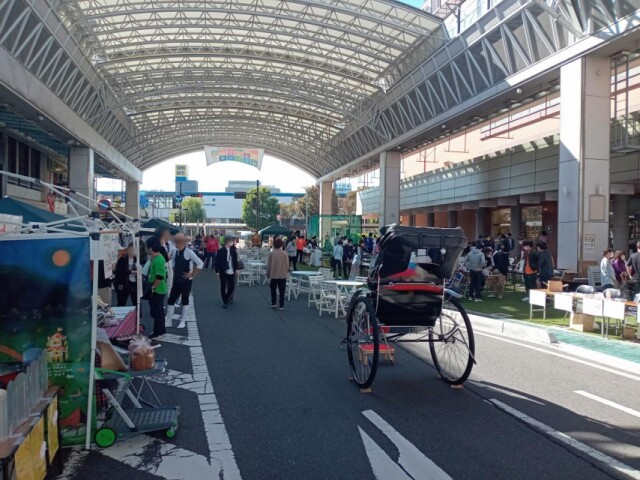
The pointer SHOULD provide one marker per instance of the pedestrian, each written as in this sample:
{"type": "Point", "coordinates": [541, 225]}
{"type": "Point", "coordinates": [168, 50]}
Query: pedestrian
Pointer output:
{"type": "Point", "coordinates": [292, 253]}
{"type": "Point", "coordinates": [633, 269]}
{"type": "Point", "coordinates": [164, 235]}
{"type": "Point", "coordinates": [511, 241]}
{"type": "Point", "coordinates": [369, 243]}
{"type": "Point", "coordinates": [501, 269]}
{"type": "Point", "coordinates": [300, 244]}
{"type": "Point", "coordinates": [619, 264]}
{"type": "Point", "coordinates": [157, 277]}
{"type": "Point", "coordinates": [607, 274]}
{"type": "Point", "coordinates": [543, 236]}
{"type": "Point", "coordinates": [126, 281]}
{"type": "Point", "coordinates": [545, 264]}
{"type": "Point", "coordinates": [226, 266]}
{"type": "Point", "coordinates": [475, 261]}
{"type": "Point", "coordinates": [184, 272]}
{"type": "Point", "coordinates": [211, 248]}
{"type": "Point", "coordinates": [530, 267]}
{"type": "Point", "coordinates": [348, 251]}
{"type": "Point", "coordinates": [277, 273]}
{"type": "Point", "coordinates": [338, 252]}
{"type": "Point", "coordinates": [336, 239]}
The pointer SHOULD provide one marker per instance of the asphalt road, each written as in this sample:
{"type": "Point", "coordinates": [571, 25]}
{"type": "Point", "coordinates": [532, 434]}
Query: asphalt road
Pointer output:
{"type": "Point", "coordinates": [281, 380]}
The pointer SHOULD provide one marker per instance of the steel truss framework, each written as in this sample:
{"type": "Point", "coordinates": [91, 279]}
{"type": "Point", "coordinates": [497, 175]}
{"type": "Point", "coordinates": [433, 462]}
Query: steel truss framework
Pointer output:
{"type": "Point", "coordinates": [316, 82]}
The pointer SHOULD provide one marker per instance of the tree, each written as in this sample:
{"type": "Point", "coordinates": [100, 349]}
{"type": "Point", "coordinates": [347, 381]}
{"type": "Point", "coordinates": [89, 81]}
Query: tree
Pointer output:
{"type": "Point", "coordinates": [311, 201]}
{"type": "Point", "coordinates": [269, 208]}
{"type": "Point", "coordinates": [349, 203]}
{"type": "Point", "coordinates": [193, 210]}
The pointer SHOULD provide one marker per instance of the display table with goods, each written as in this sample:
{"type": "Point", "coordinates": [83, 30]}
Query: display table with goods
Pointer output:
{"type": "Point", "coordinates": [126, 412]}
{"type": "Point", "coordinates": [30, 425]}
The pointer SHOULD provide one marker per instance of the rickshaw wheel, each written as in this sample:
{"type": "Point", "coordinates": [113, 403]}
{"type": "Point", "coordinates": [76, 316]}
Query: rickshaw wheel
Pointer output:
{"type": "Point", "coordinates": [452, 344]}
{"type": "Point", "coordinates": [363, 342]}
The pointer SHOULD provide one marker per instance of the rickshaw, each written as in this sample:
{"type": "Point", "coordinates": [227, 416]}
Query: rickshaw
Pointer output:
{"type": "Point", "coordinates": [407, 301]}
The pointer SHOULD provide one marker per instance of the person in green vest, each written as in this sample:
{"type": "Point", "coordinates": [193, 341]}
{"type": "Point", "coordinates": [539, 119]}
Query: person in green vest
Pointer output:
{"type": "Point", "coordinates": [157, 277]}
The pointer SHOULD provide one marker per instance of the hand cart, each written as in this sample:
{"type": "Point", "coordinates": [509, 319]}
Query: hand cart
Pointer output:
{"type": "Point", "coordinates": [130, 422]}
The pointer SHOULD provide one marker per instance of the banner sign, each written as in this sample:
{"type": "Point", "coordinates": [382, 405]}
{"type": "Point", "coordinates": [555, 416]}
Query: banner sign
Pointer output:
{"type": "Point", "coordinates": [45, 305]}
{"type": "Point", "coordinates": [109, 245]}
{"type": "Point", "coordinates": [182, 173]}
{"type": "Point", "coordinates": [248, 156]}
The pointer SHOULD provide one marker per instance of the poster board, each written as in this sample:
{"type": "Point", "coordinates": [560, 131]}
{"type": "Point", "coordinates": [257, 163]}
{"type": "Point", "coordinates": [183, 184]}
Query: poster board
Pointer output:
{"type": "Point", "coordinates": [563, 302]}
{"type": "Point", "coordinates": [592, 306]}
{"type": "Point", "coordinates": [109, 244]}
{"type": "Point", "coordinates": [47, 305]}
{"type": "Point", "coordinates": [613, 309]}
{"type": "Point", "coordinates": [538, 298]}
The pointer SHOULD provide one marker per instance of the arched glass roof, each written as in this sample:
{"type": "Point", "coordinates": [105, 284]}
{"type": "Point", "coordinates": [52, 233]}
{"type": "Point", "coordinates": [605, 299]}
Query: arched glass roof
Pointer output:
{"type": "Point", "coordinates": [286, 76]}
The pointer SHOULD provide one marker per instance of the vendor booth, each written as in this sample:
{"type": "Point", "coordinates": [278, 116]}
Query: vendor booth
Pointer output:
{"type": "Point", "coordinates": [56, 337]}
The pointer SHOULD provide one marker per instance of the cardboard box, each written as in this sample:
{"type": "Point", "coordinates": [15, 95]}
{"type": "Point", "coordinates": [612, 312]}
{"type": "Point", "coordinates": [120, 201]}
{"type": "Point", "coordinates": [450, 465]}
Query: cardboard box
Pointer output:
{"type": "Point", "coordinates": [581, 322]}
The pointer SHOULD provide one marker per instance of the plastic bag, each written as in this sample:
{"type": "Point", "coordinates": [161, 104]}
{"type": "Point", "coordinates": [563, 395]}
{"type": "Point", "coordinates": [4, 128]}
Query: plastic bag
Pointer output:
{"type": "Point", "coordinates": [141, 354]}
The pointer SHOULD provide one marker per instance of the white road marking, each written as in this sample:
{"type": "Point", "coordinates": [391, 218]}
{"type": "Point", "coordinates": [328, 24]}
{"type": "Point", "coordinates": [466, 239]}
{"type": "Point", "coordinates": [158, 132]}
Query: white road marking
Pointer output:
{"type": "Point", "coordinates": [162, 458]}
{"type": "Point", "coordinates": [168, 461]}
{"type": "Point", "coordinates": [566, 357]}
{"type": "Point", "coordinates": [609, 403]}
{"type": "Point", "coordinates": [566, 439]}
{"type": "Point", "coordinates": [382, 464]}
{"type": "Point", "coordinates": [413, 461]}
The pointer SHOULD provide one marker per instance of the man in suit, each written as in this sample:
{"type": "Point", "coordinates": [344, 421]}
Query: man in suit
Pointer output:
{"type": "Point", "coordinates": [227, 267]}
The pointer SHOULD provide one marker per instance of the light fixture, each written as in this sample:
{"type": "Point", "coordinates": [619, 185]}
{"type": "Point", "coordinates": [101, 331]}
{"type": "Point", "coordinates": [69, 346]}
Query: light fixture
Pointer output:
{"type": "Point", "coordinates": [519, 91]}
{"type": "Point", "coordinates": [599, 189]}
{"type": "Point", "coordinates": [40, 118]}
{"type": "Point", "coordinates": [565, 190]}
{"type": "Point", "coordinates": [443, 127]}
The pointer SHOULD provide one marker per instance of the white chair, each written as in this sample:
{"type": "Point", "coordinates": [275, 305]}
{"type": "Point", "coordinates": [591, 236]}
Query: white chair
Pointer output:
{"type": "Point", "coordinates": [292, 287]}
{"type": "Point", "coordinates": [246, 276]}
{"type": "Point", "coordinates": [314, 291]}
{"type": "Point", "coordinates": [362, 279]}
{"type": "Point", "coordinates": [328, 298]}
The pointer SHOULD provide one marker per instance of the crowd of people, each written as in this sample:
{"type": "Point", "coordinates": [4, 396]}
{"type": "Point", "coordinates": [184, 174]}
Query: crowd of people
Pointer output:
{"type": "Point", "coordinates": [495, 258]}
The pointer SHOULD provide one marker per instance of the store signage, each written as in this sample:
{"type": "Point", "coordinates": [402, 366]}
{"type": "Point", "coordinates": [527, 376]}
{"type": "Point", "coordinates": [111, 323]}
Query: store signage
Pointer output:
{"type": "Point", "coordinates": [530, 199]}
{"type": "Point", "coordinates": [248, 156]}
{"type": "Point", "coordinates": [182, 173]}
{"type": "Point", "coordinates": [621, 189]}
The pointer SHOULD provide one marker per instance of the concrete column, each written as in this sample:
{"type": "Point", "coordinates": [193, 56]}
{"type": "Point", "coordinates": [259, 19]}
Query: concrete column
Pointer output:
{"type": "Point", "coordinates": [620, 222]}
{"type": "Point", "coordinates": [516, 222]}
{"type": "Point", "coordinates": [132, 199]}
{"type": "Point", "coordinates": [326, 199]}
{"type": "Point", "coordinates": [583, 181]}
{"type": "Point", "coordinates": [431, 219]}
{"type": "Point", "coordinates": [390, 168]}
{"type": "Point", "coordinates": [453, 218]}
{"type": "Point", "coordinates": [481, 221]}
{"type": "Point", "coordinates": [81, 175]}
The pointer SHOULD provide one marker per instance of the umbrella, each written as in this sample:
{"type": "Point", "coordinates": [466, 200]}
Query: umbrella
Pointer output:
{"type": "Point", "coordinates": [156, 223]}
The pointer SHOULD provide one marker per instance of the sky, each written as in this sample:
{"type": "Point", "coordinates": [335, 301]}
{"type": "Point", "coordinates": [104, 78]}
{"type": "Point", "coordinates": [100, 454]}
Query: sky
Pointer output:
{"type": "Point", "coordinates": [214, 178]}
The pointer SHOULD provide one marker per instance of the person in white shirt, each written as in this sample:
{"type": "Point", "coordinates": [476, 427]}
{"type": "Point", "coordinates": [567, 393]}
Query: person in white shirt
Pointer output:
{"type": "Point", "coordinates": [182, 262]}
{"type": "Point", "coordinates": [337, 259]}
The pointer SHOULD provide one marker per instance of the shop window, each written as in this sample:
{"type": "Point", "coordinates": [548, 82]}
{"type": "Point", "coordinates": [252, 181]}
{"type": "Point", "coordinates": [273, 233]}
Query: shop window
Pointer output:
{"type": "Point", "coordinates": [34, 164]}
{"type": "Point", "coordinates": [12, 157]}
{"type": "Point", "coordinates": [23, 159]}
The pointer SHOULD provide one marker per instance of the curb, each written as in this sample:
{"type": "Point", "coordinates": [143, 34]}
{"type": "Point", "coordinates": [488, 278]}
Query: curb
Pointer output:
{"type": "Point", "coordinates": [512, 329]}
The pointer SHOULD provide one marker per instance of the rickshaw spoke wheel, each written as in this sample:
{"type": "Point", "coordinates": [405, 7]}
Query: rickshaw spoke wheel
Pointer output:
{"type": "Point", "coordinates": [363, 342]}
{"type": "Point", "coordinates": [452, 344]}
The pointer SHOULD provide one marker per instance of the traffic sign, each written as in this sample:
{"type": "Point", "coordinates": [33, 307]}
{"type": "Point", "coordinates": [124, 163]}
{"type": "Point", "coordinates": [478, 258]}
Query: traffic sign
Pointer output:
{"type": "Point", "coordinates": [104, 204]}
{"type": "Point", "coordinates": [179, 198]}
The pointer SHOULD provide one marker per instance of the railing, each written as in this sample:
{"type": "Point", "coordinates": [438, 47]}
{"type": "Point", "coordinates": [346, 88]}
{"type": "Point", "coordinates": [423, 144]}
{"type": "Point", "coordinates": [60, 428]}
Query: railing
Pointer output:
{"type": "Point", "coordinates": [22, 396]}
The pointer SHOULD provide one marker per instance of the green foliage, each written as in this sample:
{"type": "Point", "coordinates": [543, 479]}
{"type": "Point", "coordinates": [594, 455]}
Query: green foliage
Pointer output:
{"type": "Point", "coordinates": [269, 208]}
{"type": "Point", "coordinates": [193, 210]}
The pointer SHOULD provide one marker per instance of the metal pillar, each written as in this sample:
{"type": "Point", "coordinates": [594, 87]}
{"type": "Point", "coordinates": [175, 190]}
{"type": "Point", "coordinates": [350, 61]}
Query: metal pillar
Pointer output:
{"type": "Point", "coordinates": [81, 164]}
{"type": "Point", "coordinates": [583, 180]}
{"type": "Point", "coordinates": [481, 221]}
{"type": "Point", "coordinates": [326, 208]}
{"type": "Point", "coordinates": [132, 199]}
{"type": "Point", "coordinates": [431, 219]}
{"type": "Point", "coordinates": [516, 221]}
{"type": "Point", "coordinates": [390, 169]}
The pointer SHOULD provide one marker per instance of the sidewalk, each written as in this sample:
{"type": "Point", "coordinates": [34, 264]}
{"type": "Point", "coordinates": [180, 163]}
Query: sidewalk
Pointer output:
{"type": "Point", "coordinates": [528, 331]}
